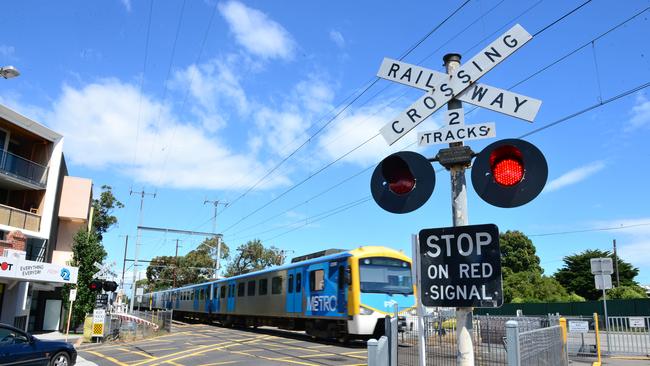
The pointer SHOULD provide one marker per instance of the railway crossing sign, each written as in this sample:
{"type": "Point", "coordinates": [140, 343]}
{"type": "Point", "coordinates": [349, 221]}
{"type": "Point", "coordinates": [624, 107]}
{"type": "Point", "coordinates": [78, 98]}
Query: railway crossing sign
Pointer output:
{"type": "Point", "coordinates": [460, 266]}
{"type": "Point", "coordinates": [105, 271]}
{"type": "Point", "coordinates": [461, 84]}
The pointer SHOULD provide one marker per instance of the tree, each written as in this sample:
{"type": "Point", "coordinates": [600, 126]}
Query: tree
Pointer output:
{"type": "Point", "coordinates": [518, 252]}
{"type": "Point", "coordinates": [253, 256]}
{"type": "Point", "coordinates": [195, 267]}
{"type": "Point", "coordinates": [523, 279]}
{"type": "Point", "coordinates": [627, 293]}
{"type": "Point", "coordinates": [87, 249]}
{"type": "Point", "coordinates": [576, 275]}
{"type": "Point", "coordinates": [102, 211]}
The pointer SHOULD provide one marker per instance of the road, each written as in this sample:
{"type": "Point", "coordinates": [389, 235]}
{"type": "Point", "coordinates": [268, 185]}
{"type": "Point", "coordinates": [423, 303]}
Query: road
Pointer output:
{"type": "Point", "coordinates": [205, 345]}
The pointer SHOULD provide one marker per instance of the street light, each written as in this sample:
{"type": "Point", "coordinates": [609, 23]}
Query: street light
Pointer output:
{"type": "Point", "coordinates": [9, 72]}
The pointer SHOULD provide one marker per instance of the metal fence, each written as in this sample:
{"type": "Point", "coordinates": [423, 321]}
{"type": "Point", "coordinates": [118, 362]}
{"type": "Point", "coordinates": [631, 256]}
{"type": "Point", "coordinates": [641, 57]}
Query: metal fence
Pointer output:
{"type": "Point", "coordinates": [488, 335]}
{"type": "Point", "coordinates": [543, 346]}
{"type": "Point", "coordinates": [139, 324]}
{"type": "Point", "coordinates": [582, 343]}
{"type": "Point", "coordinates": [627, 335]}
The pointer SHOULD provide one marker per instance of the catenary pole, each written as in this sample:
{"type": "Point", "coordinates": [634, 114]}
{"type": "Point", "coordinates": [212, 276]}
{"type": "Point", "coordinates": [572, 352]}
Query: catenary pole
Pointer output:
{"type": "Point", "coordinates": [465, 355]}
{"type": "Point", "coordinates": [217, 237]}
{"type": "Point", "coordinates": [175, 263]}
{"type": "Point", "coordinates": [618, 280]}
{"type": "Point", "coordinates": [137, 243]}
{"type": "Point", "coordinates": [126, 246]}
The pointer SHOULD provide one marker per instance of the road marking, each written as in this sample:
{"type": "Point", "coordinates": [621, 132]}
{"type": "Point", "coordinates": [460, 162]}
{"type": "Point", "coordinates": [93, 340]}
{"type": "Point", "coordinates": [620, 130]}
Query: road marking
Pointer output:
{"type": "Point", "coordinates": [174, 363]}
{"type": "Point", "coordinates": [160, 349]}
{"type": "Point", "coordinates": [108, 358]}
{"type": "Point", "coordinates": [218, 363]}
{"type": "Point", "coordinates": [288, 359]}
{"type": "Point", "coordinates": [169, 355]}
{"type": "Point", "coordinates": [135, 352]}
{"type": "Point", "coordinates": [355, 352]}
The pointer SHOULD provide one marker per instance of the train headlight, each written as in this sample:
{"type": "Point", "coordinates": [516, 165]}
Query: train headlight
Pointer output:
{"type": "Point", "coordinates": [365, 311]}
{"type": "Point", "coordinates": [413, 312]}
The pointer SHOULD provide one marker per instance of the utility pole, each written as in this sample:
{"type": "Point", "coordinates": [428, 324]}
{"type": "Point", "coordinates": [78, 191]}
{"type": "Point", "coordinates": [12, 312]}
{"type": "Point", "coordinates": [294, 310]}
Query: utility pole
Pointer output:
{"type": "Point", "coordinates": [217, 237]}
{"type": "Point", "coordinates": [618, 280]}
{"type": "Point", "coordinates": [460, 218]}
{"type": "Point", "coordinates": [137, 243]}
{"type": "Point", "coordinates": [175, 263]}
{"type": "Point", "coordinates": [126, 246]}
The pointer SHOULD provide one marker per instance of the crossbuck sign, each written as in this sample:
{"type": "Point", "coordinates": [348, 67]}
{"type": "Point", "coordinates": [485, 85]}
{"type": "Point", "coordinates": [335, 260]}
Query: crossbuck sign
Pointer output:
{"type": "Point", "coordinates": [462, 85]}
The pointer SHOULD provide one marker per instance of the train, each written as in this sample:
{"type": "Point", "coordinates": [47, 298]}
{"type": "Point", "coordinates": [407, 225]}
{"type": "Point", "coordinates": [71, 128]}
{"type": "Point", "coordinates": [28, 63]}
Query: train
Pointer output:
{"type": "Point", "coordinates": [341, 294]}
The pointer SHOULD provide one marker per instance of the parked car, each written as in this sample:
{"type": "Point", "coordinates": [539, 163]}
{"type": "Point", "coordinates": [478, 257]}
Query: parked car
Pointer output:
{"type": "Point", "coordinates": [18, 348]}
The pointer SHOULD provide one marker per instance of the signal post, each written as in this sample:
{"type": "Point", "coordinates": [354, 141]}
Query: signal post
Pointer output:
{"type": "Point", "coordinates": [459, 266]}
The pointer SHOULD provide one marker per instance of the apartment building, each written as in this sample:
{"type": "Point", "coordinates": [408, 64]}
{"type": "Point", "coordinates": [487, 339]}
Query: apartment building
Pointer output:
{"type": "Point", "coordinates": [41, 208]}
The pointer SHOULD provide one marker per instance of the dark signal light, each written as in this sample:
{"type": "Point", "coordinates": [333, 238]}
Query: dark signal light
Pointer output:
{"type": "Point", "coordinates": [509, 173]}
{"type": "Point", "coordinates": [95, 285]}
{"type": "Point", "coordinates": [402, 182]}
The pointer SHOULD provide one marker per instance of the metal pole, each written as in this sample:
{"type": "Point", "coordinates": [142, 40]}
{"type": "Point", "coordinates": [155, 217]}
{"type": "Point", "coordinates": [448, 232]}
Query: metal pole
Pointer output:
{"type": "Point", "coordinates": [175, 263]}
{"type": "Point", "coordinates": [459, 215]}
{"type": "Point", "coordinates": [126, 246]}
{"type": "Point", "coordinates": [137, 246]}
{"type": "Point", "coordinates": [67, 327]}
{"type": "Point", "coordinates": [606, 319]}
{"type": "Point", "coordinates": [217, 264]}
{"type": "Point", "coordinates": [618, 280]}
{"type": "Point", "coordinates": [415, 270]}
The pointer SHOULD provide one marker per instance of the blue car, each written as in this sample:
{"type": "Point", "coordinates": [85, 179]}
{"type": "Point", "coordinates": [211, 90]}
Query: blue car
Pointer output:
{"type": "Point", "coordinates": [18, 348]}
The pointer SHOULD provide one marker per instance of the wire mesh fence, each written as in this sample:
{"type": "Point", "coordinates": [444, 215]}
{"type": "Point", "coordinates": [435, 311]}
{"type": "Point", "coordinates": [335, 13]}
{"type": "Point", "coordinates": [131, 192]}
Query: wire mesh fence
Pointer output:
{"type": "Point", "coordinates": [139, 324]}
{"type": "Point", "coordinates": [543, 346]}
{"type": "Point", "coordinates": [439, 328]}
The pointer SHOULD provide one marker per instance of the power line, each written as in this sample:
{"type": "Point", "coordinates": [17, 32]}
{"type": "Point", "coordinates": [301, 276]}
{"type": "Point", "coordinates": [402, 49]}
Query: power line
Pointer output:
{"type": "Point", "coordinates": [348, 104]}
{"type": "Point", "coordinates": [620, 227]}
{"type": "Point", "coordinates": [363, 143]}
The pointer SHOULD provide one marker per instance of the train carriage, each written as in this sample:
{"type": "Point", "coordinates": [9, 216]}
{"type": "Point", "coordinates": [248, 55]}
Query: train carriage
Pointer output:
{"type": "Point", "coordinates": [329, 294]}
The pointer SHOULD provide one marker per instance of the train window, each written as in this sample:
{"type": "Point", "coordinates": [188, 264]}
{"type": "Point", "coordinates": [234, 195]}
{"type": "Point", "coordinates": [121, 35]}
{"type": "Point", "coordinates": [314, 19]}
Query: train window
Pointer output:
{"type": "Point", "coordinates": [222, 292]}
{"type": "Point", "coordinates": [264, 286]}
{"type": "Point", "coordinates": [290, 285]}
{"type": "Point", "coordinates": [341, 277]}
{"type": "Point", "coordinates": [192, 297]}
{"type": "Point", "coordinates": [298, 282]}
{"type": "Point", "coordinates": [241, 289]}
{"type": "Point", "coordinates": [232, 290]}
{"type": "Point", "coordinates": [251, 288]}
{"type": "Point", "coordinates": [276, 285]}
{"type": "Point", "coordinates": [215, 292]}
{"type": "Point", "coordinates": [202, 294]}
{"type": "Point", "coordinates": [316, 280]}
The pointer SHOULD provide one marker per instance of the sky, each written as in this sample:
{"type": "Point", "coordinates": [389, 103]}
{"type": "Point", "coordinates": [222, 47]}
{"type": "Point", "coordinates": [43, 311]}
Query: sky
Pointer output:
{"type": "Point", "coordinates": [274, 108]}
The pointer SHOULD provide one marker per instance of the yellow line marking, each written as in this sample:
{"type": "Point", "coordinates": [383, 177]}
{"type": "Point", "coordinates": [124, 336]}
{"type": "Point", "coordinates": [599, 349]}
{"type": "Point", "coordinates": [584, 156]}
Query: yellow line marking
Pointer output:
{"type": "Point", "coordinates": [359, 357]}
{"type": "Point", "coordinates": [160, 349]}
{"type": "Point", "coordinates": [218, 363]}
{"type": "Point", "coordinates": [288, 359]}
{"type": "Point", "coordinates": [108, 358]}
{"type": "Point", "coordinates": [640, 358]}
{"type": "Point", "coordinates": [318, 355]}
{"type": "Point", "coordinates": [170, 355]}
{"type": "Point", "coordinates": [135, 352]}
{"type": "Point", "coordinates": [174, 363]}
{"type": "Point", "coordinates": [354, 353]}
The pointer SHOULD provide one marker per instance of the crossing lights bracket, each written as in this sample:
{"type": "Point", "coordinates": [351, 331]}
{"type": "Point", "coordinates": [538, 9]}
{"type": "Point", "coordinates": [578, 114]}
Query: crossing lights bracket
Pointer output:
{"type": "Point", "coordinates": [456, 155]}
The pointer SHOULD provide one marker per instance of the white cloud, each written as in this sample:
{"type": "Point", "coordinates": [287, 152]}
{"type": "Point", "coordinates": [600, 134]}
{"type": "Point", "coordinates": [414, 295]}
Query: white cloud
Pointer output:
{"type": "Point", "coordinates": [337, 38]}
{"type": "Point", "coordinates": [574, 176]}
{"type": "Point", "coordinates": [127, 4]}
{"type": "Point", "coordinates": [640, 113]}
{"type": "Point", "coordinates": [256, 32]}
{"type": "Point", "coordinates": [7, 51]}
{"type": "Point", "coordinates": [100, 125]}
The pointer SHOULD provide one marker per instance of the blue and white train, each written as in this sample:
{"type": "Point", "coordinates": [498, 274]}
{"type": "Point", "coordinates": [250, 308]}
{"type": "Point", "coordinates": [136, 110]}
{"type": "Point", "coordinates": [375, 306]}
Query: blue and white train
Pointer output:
{"type": "Point", "coordinates": [342, 295]}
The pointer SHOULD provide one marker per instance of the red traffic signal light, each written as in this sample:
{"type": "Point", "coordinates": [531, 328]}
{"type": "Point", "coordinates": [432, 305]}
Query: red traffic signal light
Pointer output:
{"type": "Point", "coordinates": [509, 173]}
{"type": "Point", "coordinates": [95, 285]}
{"type": "Point", "coordinates": [402, 182]}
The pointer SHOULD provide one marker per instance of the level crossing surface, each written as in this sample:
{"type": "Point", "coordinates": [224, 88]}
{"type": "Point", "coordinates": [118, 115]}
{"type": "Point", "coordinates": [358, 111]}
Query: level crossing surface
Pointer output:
{"type": "Point", "coordinates": [206, 345]}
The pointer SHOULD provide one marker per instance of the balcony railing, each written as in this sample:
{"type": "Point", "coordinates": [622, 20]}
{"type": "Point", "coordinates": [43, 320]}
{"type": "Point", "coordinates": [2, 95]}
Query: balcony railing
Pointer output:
{"type": "Point", "coordinates": [22, 168]}
{"type": "Point", "coordinates": [19, 219]}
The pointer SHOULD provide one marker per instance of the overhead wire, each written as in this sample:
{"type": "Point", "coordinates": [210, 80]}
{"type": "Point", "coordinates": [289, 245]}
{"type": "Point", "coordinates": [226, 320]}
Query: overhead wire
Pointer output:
{"type": "Point", "coordinates": [556, 21]}
{"type": "Point", "coordinates": [348, 104]}
{"type": "Point", "coordinates": [551, 124]}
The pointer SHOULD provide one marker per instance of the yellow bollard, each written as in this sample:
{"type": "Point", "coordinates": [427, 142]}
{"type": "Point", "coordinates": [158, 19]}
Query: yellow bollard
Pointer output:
{"type": "Point", "coordinates": [597, 363]}
{"type": "Point", "coordinates": [563, 327]}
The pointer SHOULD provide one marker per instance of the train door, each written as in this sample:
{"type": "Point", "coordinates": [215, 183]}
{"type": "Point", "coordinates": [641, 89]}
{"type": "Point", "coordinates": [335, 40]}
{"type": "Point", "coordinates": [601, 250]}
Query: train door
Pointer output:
{"type": "Point", "coordinates": [342, 284]}
{"type": "Point", "coordinates": [298, 289]}
{"type": "Point", "coordinates": [291, 300]}
{"type": "Point", "coordinates": [231, 297]}
{"type": "Point", "coordinates": [195, 297]}
{"type": "Point", "coordinates": [214, 307]}
{"type": "Point", "coordinates": [206, 298]}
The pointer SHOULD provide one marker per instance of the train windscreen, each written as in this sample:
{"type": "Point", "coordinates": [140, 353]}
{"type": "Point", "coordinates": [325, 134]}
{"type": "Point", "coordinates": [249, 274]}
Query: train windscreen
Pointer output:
{"type": "Point", "coordinates": [385, 275]}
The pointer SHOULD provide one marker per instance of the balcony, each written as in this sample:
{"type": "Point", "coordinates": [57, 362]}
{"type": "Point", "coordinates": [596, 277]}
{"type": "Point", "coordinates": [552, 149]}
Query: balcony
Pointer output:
{"type": "Point", "coordinates": [26, 171]}
{"type": "Point", "coordinates": [19, 219]}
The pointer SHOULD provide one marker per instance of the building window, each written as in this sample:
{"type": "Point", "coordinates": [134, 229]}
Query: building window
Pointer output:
{"type": "Point", "coordinates": [276, 285]}
{"type": "Point", "coordinates": [264, 286]}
